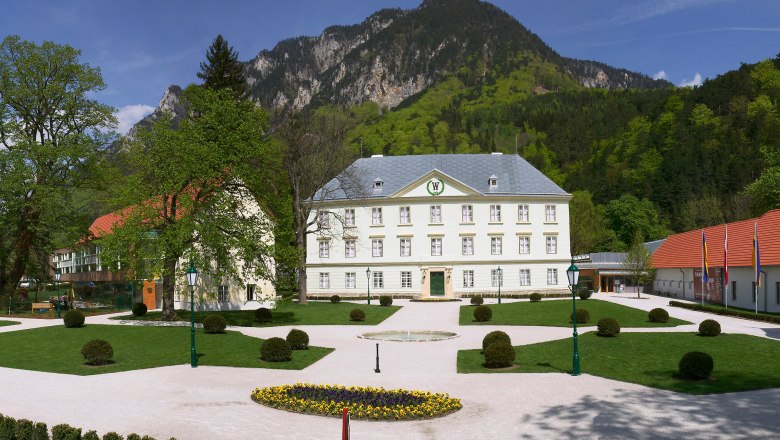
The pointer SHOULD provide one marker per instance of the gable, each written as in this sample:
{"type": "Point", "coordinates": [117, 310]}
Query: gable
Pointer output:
{"type": "Point", "coordinates": [435, 184]}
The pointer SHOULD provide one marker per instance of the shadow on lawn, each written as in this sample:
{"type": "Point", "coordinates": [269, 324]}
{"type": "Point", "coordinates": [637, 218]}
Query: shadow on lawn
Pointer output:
{"type": "Point", "coordinates": [654, 414]}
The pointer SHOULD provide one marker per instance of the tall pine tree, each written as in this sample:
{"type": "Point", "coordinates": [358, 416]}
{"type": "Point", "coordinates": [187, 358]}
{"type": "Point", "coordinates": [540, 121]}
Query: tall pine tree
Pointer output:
{"type": "Point", "coordinates": [222, 70]}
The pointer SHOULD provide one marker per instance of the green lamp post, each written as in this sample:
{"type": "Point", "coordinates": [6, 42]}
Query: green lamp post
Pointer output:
{"type": "Point", "coordinates": [574, 276]}
{"type": "Point", "coordinates": [192, 279]}
{"type": "Point", "coordinates": [499, 274]}
{"type": "Point", "coordinates": [368, 284]}
{"type": "Point", "coordinates": [57, 276]}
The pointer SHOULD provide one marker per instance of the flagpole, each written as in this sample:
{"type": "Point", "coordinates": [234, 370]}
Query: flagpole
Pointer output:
{"type": "Point", "coordinates": [725, 276]}
{"type": "Point", "coordinates": [702, 268]}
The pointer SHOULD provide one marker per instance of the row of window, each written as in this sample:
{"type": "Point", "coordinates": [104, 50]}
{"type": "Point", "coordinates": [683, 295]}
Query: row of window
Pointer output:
{"type": "Point", "coordinates": [467, 246]}
{"type": "Point", "coordinates": [467, 215]}
{"type": "Point", "coordinates": [496, 279]}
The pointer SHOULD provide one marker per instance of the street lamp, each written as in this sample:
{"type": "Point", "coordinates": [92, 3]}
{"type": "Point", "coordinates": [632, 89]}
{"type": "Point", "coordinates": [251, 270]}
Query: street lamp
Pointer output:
{"type": "Point", "coordinates": [499, 274]}
{"type": "Point", "coordinates": [192, 279]}
{"type": "Point", "coordinates": [574, 276]}
{"type": "Point", "coordinates": [368, 284]}
{"type": "Point", "coordinates": [57, 276]}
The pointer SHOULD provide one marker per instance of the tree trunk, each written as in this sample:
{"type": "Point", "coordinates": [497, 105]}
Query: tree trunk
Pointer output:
{"type": "Point", "coordinates": [300, 241]}
{"type": "Point", "coordinates": [169, 288]}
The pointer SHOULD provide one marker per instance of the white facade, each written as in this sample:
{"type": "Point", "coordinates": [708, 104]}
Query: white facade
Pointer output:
{"type": "Point", "coordinates": [436, 229]}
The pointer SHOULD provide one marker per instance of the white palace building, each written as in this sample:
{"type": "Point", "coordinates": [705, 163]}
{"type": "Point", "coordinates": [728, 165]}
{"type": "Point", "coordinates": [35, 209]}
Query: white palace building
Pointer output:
{"type": "Point", "coordinates": [439, 225]}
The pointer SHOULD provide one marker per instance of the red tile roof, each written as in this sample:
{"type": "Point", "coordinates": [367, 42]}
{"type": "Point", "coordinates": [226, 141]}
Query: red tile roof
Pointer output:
{"type": "Point", "coordinates": [103, 225]}
{"type": "Point", "coordinates": [685, 249]}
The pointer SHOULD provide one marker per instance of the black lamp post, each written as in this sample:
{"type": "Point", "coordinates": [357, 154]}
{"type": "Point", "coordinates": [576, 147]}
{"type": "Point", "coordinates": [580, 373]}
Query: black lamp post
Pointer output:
{"type": "Point", "coordinates": [57, 275]}
{"type": "Point", "coordinates": [499, 274]}
{"type": "Point", "coordinates": [574, 276]}
{"type": "Point", "coordinates": [192, 279]}
{"type": "Point", "coordinates": [368, 284]}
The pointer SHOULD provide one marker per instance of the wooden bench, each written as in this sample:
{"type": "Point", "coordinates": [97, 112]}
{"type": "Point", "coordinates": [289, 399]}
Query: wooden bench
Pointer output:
{"type": "Point", "coordinates": [42, 307]}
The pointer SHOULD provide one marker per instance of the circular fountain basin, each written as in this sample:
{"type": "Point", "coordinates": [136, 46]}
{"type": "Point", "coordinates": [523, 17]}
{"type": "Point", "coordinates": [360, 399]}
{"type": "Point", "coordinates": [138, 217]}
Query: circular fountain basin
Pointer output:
{"type": "Point", "coordinates": [409, 335]}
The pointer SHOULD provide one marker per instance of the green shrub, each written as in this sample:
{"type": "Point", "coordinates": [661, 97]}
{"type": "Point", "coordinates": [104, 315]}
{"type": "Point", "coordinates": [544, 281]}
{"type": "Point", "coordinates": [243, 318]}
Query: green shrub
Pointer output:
{"type": "Point", "coordinates": [133, 436]}
{"type": "Point", "coordinates": [727, 312]}
{"type": "Point", "coordinates": [97, 352]}
{"type": "Point", "coordinates": [65, 432]}
{"type": "Point", "coordinates": [263, 315]}
{"type": "Point", "coordinates": [214, 324]}
{"type": "Point", "coordinates": [90, 435]}
{"type": "Point", "coordinates": [483, 313]}
{"type": "Point", "coordinates": [73, 319]}
{"type": "Point", "coordinates": [535, 297]}
{"type": "Point", "coordinates": [477, 300]}
{"type": "Point", "coordinates": [40, 432]}
{"type": "Point", "coordinates": [7, 427]}
{"type": "Point", "coordinates": [385, 300]}
{"type": "Point", "coordinates": [709, 327]}
{"type": "Point", "coordinates": [499, 355]}
{"type": "Point", "coordinates": [275, 350]}
{"type": "Point", "coordinates": [496, 336]}
{"type": "Point", "coordinates": [139, 309]}
{"type": "Point", "coordinates": [112, 436]}
{"type": "Point", "coordinates": [658, 315]}
{"type": "Point", "coordinates": [357, 315]}
{"type": "Point", "coordinates": [583, 316]}
{"type": "Point", "coordinates": [335, 299]}
{"type": "Point", "coordinates": [298, 339]}
{"type": "Point", "coordinates": [696, 365]}
{"type": "Point", "coordinates": [608, 327]}
{"type": "Point", "coordinates": [24, 429]}
{"type": "Point", "coordinates": [584, 293]}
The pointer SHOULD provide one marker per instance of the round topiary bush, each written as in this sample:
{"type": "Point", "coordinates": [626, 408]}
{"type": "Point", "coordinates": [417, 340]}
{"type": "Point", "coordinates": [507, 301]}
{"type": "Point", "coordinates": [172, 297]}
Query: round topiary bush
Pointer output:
{"type": "Point", "coordinates": [73, 318]}
{"type": "Point", "coordinates": [483, 313]}
{"type": "Point", "coordinates": [214, 324]}
{"type": "Point", "coordinates": [385, 300]}
{"type": "Point", "coordinates": [275, 350]}
{"type": "Point", "coordinates": [335, 299]}
{"type": "Point", "coordinates": [658, 315]}
{"type": "Point", "coordinates": [499, 355]}
{"type": "Point", "coordinates": [535, 297]}
{"type": "Point", "coordinates": [357, 315]}
{"type": "Point", "coordinates": [696, 365]}
{"type": "Point", "coordinates": [608, 327]}
{"type": "Point", "coordinates": [709, 327]}
{"type": "Point", "coordinates": [139, 309]}
{"type": "Point", "coordinates": [477, 300]}
{"type": "Point", "coordinates": [298, 339]}
{"type": "Point", "coordinates": [263, 315]}
{"type": "Point", "coordinates": [496, 336]}
{"type": "Point", "coordinates": [584, 293]}
{"type": "Point", "coordinates": [97, 352]}
{"type": "Point", "coordinates": [583, 316]}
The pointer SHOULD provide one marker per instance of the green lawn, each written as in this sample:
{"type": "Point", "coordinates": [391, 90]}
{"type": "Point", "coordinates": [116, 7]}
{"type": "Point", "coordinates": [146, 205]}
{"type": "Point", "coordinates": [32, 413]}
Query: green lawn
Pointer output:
{"type": "Point", "coordinates": [58, 349]}
{"type": "Point", "coordinates": [742, 362]}
{"type": "Point", "coordinates": [4, 323]}
{"type": "Point", "coordinates": [557, 313]}
{"type": "Point", "coordinates": [313, 313]}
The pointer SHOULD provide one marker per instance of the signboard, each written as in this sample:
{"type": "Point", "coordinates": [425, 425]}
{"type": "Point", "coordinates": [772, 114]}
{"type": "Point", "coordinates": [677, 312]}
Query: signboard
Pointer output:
{"type": "Point", "coordinates": [713, 289]}
{"type": "Point", "coordinates": [435, 187]}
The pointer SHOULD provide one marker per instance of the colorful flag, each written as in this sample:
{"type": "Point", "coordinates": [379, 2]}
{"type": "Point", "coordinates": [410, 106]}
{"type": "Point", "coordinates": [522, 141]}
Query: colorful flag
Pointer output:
{"type": "Point", "coordinates": [705, 267]}
{"type": "Point", "coordinates": [756, 256]}
{"type": "Point", "coordinates": [726, 257]}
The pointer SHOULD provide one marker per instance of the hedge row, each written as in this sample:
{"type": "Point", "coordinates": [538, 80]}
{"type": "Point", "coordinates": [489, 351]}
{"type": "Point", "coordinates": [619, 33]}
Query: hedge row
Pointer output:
{"type": "Point", "coordinates": [727, 312]}
{"type": "Point", "coordinates": [374, 296]}
{"type": "Point", "coordinates": [517, 295]}
{"type": "Point", "coordinates": [24, 429]}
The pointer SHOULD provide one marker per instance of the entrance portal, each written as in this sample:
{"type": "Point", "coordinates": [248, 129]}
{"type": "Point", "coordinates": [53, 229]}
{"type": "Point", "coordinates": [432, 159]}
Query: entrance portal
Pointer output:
{"type": "Point", "coordinates": [437, 283]}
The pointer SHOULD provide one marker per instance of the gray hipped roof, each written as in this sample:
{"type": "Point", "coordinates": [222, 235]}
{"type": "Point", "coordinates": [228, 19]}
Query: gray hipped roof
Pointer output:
{"type": "Point", "coordinates": [515, 175]}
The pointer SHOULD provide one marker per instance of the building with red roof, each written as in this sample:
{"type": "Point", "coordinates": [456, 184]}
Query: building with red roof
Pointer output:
{"type": "Point", "coordinates": [678, 263]}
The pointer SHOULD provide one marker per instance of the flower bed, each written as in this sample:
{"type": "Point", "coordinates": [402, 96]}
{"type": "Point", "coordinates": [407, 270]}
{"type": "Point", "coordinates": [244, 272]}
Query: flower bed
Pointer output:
{"type": "Point", "coordinates": [363, 402]}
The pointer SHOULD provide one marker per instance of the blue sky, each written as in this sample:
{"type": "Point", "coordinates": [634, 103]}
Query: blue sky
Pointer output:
{"type": "Point", "coordinates": [142, 46]}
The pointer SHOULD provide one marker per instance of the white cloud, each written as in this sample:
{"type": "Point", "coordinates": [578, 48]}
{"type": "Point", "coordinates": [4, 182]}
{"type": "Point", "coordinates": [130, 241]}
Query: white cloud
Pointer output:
{"type": "Point", "coordinates": [696, 81]}
{"type": "Point", "coordinates": [661, 75]}
{"type": "Point", "coordinates": [128, 115]}
{"type": "Point", "coordinates": [644, 10]}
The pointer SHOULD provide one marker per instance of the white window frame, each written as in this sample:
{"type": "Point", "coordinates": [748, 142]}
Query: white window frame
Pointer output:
{"type": "Point", "coordinates": [405, 251]}
{"type": "Point", "coordinates": [406, 280]}
{"type": "Point", "coordinates": [378, 280]}
{"type": "Point", "coordinates": [522, 214]}
{"type": "Point", "coordinates": [350, 280]}
{"type": "Point", "coordinates": [223, 294]}
{"type": "Point", "coordinates": [467, 245]}
{"type": "Point", "coordinates": [323, 219]}
{"type": "Point", "coordinates": [524, 239]}
{"type": "Point", "coordinates": [525, 277]}
{"type": "Point", "coordinates": [550, 215]}
{"type": "Point", "coordinates": [551, 244]}
{"type": "Point", "coordinates": [324, 280]}
{"type": "Point", "coordinates": [468, 278]}
{"type": "Point", "coordinates": [377, 247]}
{"type": "Point", "coordinates": [495, 213]}
{"type": "Point", "coordinates": [376, 215]}
{"type": "Point", "coordinates": [436, 247]}
{"type": "Point", "coordinates": [495, 245]}
{"type": "Point", "coordinates": [349, 217]}
{"type": "Point", "coordinates": [405, 215]}
{"type": "Point", "coordinates": [350, 248]}
{"type": "Point", "coordinates": [467, 213]}
{"type": "Point", "coordinates": [324, 249]}
{"type": "Point", "coordinates": [552, 277]}
{"type": "Point", "coordinates": [495, 280]}
{"type": "Point", "coordinates": [435, 213]}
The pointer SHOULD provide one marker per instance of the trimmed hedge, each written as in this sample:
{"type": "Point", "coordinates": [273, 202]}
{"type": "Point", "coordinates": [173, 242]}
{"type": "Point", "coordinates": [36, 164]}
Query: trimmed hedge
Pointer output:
{"type": "Point", "coordinates": [298, 339]}
{"type": "Point", "coordinates": [357, 315]}
{"type": "Point", "coordinates": [139, 309]}
{"type": "Point", "coordinates": [499, 355]}
{"type": "Point", "coordinates": [275, 350]}
{"type": "Point", "coordinates": [385, 300]}
{"type": "Point", "coordinates": [483, 313]}
{"type": "Point", "coordinates": [583, 316]}
{"type": "Point", "coordinates": [535, 297]}
{"type": "Point", "coordinates": [495, 336]}
{"type": "Point", "coordinates": [112, 436]}
{"type": "Point", "coordinates": [727, 312]}
{"type": "Point", "coordinates": [709, 327]}
{"type": "Point", "coordinates": [97, 352]}
{"type": "Point", "coordinates": [477, 300]}
{"type": "Point", "coordinates": [65, 432]}
{"type": "Point", "coordinates": [658, 315]}
{"type": "Point", "coordinates": [608, 327]}
{"type": "Point", "coordinates": [214, 324]}
{"type": "Point", "coordinates": [696, 365]}
{"type": "Point", "coordinates": [73, 319]}
{"type": "Point", "coordinates": [90, 435]}
{"type": "Point", "coordinates": [584, 293]}
{"type": "Point", "coordinates": [263, 315]}
{"type": "Point", "coordinates": [23, 429]}
{"type": "Point", "coordinates": [335, 299]}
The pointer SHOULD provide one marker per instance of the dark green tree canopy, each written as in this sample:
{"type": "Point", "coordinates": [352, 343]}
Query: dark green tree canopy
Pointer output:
{"type": "Point", "coordinates": [222, 70]}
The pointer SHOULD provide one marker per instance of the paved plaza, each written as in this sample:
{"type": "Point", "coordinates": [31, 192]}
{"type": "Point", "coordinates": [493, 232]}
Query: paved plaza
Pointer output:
{"type": "Point", "coordinates": [214, 402]}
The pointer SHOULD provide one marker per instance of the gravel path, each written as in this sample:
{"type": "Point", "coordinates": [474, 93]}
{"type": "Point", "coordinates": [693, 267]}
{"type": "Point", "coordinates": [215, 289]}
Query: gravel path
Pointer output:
{"type": "Point", "coordinates": [214, 403]}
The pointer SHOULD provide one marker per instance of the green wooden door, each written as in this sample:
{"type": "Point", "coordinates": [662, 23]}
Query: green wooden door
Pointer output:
{"type": "Point", "coordinates": [437, 283]}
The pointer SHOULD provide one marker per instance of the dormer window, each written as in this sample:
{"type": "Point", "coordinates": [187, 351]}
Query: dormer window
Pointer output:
{"type": "Point", "coordinates": [378, 184]}
{"type": "Point", "coordinates": [493, 181]}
